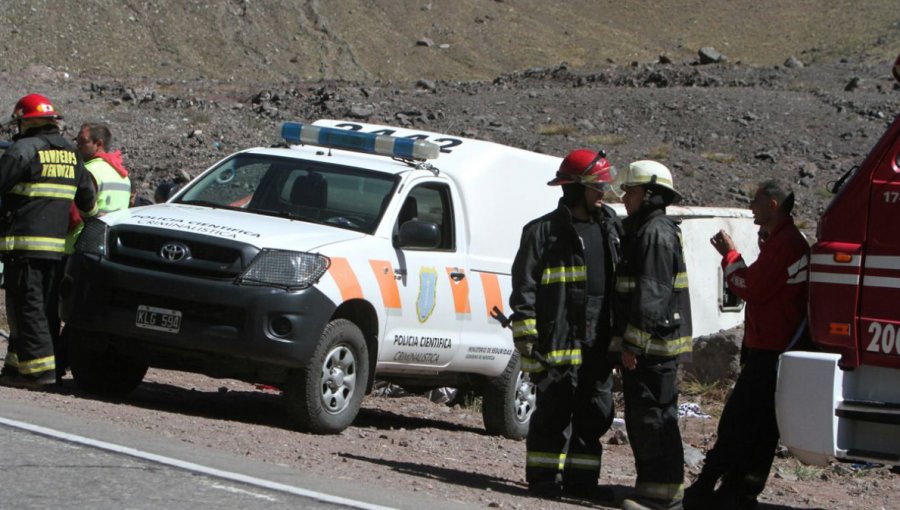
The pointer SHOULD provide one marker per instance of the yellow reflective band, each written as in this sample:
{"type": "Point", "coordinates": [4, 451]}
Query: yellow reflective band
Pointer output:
{"type": "Point", "coordinates": [37, 365]}
{"type": "Point", "coordinates": [524, 327]}
{"type": "Point", "coordinates": [656, 346]}
{"type": "Point", "coordinates": [589, 462]}
{"type": "Point", "coordinates": [564, 274]}
{"type": "Point", "coordinates": [624, 284]}
{"type": "Point", "coordinates": [663, 491]}
{"type": "Point", "coordinates": [561, 357]}
{"type": "Point", "coordinates": [681, 281]}
{"type": "Point", "coordinates": [44, 190]}
{"type": "Point", "coordinates": [29, 243]}
{"type": "Point", "coordinates": [544, 459]}
{"type": "Point", "coordinates": [564, 357]}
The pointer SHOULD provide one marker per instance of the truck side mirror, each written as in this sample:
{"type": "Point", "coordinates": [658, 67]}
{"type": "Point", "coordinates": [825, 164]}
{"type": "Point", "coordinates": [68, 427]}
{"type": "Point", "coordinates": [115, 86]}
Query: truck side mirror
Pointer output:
{"type": "Point", "coordinates": [418, 234]}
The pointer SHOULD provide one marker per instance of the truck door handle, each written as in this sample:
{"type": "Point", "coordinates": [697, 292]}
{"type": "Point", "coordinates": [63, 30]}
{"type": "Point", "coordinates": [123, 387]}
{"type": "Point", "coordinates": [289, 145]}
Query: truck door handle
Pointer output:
{"type": "Point", "coordinates": [399, 274]}
{"type": "Point", "coordinates": [457, 276]}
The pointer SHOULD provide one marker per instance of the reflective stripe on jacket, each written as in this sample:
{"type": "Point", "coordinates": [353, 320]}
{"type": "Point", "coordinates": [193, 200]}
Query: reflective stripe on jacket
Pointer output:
{"type": "Point", "coordinates": [549, 285]}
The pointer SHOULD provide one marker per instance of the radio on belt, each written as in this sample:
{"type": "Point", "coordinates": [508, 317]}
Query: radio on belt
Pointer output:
{"type": "Point", "coordinates": [368, 143]}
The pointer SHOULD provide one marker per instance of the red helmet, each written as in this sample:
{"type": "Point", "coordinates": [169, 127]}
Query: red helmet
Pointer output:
{"type": "Point", "coordinates": [32, 106]}
{"type": "Point", "coordinates": [585, 167]}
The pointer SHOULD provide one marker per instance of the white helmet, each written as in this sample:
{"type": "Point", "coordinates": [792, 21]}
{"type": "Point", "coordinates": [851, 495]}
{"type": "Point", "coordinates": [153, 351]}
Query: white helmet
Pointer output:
{"type": "Point", "coordinates": [647, 173]}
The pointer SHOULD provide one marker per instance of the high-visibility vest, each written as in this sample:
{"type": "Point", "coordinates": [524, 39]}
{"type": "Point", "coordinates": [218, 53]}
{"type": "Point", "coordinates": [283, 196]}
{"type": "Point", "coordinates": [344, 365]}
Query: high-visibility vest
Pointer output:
{"type": "Point", "coordinates": [113, 190]}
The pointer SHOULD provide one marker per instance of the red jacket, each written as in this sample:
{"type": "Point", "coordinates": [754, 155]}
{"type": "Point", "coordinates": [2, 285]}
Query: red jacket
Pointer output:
{"type": "Point", "coordinates": [774, 287]}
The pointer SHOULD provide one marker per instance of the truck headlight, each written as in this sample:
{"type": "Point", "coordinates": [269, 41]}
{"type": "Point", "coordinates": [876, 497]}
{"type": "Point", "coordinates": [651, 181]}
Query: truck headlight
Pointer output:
{"type": "Point", "coordinates": [93, 237]}
{"type": "Point", "coordinates": [289, 270]}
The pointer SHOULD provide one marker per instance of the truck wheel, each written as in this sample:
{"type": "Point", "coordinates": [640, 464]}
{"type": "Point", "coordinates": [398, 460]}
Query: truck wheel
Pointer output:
{"type": "Point", "coordinates": [509, 401]}
{"type": "Point", "coordinates": [325, 397]}
{"type": "Point", "coordinates": [103, 371]}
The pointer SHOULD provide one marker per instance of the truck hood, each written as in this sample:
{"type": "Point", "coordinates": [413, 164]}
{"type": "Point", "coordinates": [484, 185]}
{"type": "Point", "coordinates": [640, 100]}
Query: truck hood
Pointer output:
{"type": "Point", "coordinates": [254, 229]}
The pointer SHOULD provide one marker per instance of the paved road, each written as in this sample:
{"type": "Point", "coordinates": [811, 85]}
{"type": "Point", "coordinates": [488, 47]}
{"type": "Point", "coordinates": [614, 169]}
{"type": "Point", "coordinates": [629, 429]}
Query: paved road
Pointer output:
{"type": "Point", "coordinates": [39, 472]}
{"type": "Point", "coordinates": [50, 460]}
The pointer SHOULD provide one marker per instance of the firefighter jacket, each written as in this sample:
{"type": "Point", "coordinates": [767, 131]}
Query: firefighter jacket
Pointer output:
{"type": "Point", "coordinates": [774, 287]}
{"type": "Point", "coordinates": [549, 286]}
{"type": "Point", "coordinates": [40, 175]}
{"type": "Point", "coordinates": [652, 303]}
{"type": "Point", "coordinates": [113, 188]}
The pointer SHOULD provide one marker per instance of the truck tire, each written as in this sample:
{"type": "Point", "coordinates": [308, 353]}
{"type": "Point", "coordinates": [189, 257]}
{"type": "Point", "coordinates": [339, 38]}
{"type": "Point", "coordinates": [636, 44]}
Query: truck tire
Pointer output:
{"type": "Point", "coordinates": [509, 401]}
{"type": "Point", "coordinates": [103, 371]}
{"type": "Point", "coordinates": [324, 398]}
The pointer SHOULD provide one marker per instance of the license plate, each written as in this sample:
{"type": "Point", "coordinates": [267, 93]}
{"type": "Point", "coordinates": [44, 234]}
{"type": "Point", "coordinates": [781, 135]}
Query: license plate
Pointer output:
{"type": "Point", "coordinates": [159, 319]}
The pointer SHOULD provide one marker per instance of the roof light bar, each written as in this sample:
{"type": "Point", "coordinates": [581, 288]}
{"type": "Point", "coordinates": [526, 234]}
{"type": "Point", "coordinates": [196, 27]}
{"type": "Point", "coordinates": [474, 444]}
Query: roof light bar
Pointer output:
{"type": "Point", "coordinates": [369, 143]}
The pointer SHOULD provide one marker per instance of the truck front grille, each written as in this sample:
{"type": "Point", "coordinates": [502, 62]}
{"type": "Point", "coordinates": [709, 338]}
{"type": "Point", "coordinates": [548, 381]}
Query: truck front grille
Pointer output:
{"type": "Point", "coordinates": [200, 255]}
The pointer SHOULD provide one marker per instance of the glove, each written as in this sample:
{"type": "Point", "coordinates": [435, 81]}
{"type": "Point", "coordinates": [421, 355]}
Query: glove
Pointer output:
{"type": "Point", "coordinates": [525, 346]}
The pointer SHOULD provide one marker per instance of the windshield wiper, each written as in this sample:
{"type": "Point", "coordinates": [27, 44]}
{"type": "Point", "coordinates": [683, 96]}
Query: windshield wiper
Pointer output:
{"type": "Point", "coordinates": [205, 203]}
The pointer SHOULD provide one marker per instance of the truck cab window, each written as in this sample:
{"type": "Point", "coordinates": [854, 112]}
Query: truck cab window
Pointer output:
{"type": "Point", "coordinates": [431, 203]}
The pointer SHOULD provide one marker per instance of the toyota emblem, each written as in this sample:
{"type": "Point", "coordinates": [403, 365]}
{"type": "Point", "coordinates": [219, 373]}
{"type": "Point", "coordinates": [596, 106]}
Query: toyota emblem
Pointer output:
{"type": "Point", "coordinates": [174, 252]}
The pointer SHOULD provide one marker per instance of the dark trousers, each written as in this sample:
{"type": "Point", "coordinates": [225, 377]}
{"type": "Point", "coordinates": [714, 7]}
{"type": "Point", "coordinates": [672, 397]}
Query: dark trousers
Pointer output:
{"type": "Point", "coordinates": [748, 431]}
{"type": "Point", "coordinates": [651, 419]}
{"type": "Point", "coordinates": [571, 416]}
{"type": "Point", "coordinates": [32, 307]}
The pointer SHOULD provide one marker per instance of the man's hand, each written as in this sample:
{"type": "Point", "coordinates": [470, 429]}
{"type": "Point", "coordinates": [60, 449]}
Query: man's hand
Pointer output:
{"type": "Point", "coordinates": [629, 360]}
{"type": "Point", "coordinates": [722, 243]}
{"type": "Point", "coordinates": [525, 346]}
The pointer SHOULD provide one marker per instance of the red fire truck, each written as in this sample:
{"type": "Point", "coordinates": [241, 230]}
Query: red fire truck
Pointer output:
{"type": "Point", "coordinates": [844, 402]}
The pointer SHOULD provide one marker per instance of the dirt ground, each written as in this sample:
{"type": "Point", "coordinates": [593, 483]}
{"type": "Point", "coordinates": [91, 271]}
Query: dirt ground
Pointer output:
{"type": "Point", "coordinates": [414, 444]}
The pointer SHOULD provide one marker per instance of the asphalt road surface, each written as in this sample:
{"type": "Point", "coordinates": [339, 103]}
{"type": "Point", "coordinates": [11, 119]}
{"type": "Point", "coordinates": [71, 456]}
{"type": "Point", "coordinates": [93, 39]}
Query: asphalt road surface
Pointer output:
{"type": "Point", "coordinates": [49, 460]}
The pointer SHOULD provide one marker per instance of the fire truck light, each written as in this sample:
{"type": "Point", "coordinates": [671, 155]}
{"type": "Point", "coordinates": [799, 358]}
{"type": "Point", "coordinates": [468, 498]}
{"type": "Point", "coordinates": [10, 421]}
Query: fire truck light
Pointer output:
{"type": "Point", "coordinates": [839, 329]}
{"type": "Point", "coordinates": [843, 258]}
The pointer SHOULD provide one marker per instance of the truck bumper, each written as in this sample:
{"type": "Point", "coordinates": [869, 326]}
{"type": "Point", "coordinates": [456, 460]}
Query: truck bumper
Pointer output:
{"type": "Point", "coordinates": [219, 320]}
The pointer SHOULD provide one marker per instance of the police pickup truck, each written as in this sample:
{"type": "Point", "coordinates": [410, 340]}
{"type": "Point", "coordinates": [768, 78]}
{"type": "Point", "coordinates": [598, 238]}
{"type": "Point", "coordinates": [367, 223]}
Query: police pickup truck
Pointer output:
{"type": "Point", "coordinates": [356, 252]}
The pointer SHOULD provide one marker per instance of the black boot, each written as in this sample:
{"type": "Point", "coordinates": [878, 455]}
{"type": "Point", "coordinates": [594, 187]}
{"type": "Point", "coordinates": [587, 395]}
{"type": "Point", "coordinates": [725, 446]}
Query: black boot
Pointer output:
{"type": "Point", "coordinates": [701, 494]}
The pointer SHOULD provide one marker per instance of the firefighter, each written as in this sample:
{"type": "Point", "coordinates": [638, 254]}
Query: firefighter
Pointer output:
{"type": "Point", "coordinates": [561, 277]}
{"type": "Point", "coordinates": [774, 287]}
{"type": "Point", "coordinates": [40, 175]}
{"type": "Point", "coordinates": [653, 331]}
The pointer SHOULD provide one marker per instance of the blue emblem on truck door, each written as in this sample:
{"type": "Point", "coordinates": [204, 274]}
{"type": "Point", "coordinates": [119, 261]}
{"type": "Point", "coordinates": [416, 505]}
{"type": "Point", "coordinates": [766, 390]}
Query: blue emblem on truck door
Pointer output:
{"type": "Point", "coordinates": [427, 293]}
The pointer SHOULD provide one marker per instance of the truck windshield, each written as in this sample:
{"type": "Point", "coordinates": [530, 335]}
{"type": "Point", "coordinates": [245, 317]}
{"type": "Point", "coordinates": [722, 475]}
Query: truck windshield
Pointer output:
{"type": "Point", "coordinates": [335, 195]}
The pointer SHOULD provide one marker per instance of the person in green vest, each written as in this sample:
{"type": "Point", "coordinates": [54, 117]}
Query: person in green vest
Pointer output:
{"type": "Point", "coordinates": [107, 171]}
{"type": "Point", "coordinates": [111, 177]}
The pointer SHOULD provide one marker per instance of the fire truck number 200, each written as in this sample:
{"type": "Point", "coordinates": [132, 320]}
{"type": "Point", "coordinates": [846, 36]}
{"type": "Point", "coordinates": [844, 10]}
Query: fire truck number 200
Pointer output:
{"type": "Point", "coordinates": [884, 339]}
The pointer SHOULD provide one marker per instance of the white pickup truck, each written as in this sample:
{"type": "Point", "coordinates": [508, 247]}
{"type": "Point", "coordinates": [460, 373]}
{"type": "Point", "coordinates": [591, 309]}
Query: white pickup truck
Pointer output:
{"type": "Point", "coordinates": [356, 252]}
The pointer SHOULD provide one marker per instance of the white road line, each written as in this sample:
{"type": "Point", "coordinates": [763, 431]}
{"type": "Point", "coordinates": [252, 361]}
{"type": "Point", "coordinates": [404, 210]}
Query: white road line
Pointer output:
{"type": "Point", "coordinates": [190, 466]}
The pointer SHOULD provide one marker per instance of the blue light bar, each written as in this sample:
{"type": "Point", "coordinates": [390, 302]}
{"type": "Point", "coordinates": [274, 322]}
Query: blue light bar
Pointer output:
{"type": "Point", "coordinates": [369, 143]}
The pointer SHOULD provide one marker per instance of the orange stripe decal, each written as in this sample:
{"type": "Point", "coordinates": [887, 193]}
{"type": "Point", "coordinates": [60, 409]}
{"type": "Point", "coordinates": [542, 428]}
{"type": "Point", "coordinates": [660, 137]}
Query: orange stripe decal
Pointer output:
{"type": "Point", "coordinates": [460, 292]}
{"type": "Point", "coordinates": [345, 278]}
{"type": "Point", "coordinates": [390, 295]}
{"type": "Point", "coordinates": [491, 285]}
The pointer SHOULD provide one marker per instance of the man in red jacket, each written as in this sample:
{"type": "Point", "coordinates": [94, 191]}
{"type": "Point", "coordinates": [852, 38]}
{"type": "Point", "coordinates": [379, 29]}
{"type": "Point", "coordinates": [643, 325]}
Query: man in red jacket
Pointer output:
{"type": "Point", "coordinates": [774, 288]}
